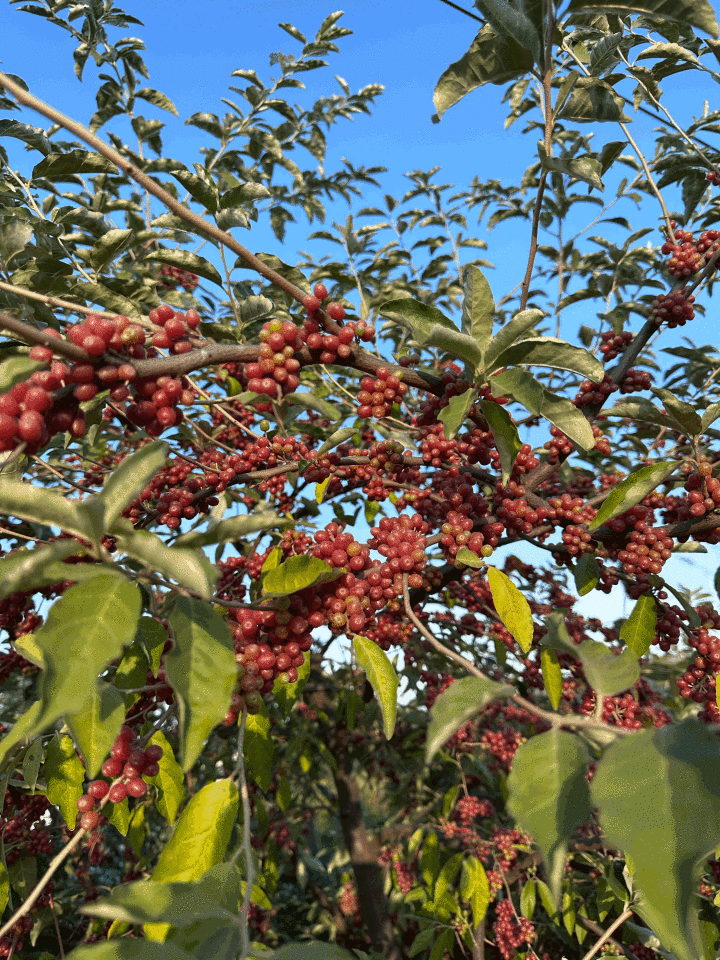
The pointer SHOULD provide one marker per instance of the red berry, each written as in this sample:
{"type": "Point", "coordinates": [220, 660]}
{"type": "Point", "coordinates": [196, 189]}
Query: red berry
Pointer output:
{"type": "Point", "coordinates": [311, 303]}
{"type": "Point", "coordinates": [136, 787]}
{"type": "Point", "coordinates": [85, 803]}
{"type": "Point", "coordinates": [320, 291]}
{"type": "Point", "coordinates": [98, 789]}
{"type": "Point", "coordinates": [88, 821]}
{"type": "Point", "coordinates": [112, 767]}
{"type": "Point", "coordinates": [117, 793]}
{"type": "Point", "coordinates": [336, 311]}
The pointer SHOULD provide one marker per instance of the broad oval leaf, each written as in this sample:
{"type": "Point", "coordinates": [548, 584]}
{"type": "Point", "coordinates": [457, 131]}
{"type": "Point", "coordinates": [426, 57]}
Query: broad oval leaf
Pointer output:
{"type": "Point", "coordinates": [694, 13]}
{"type": "Point", "coordinates": [551, 352]}
{"type": "Point", "coordinates": [632, 490]}
{"type": "Point", "coordinates": [201, 669]}
{"type": "Point", "coordinates": [478, 308]}
{"type": "Point", "coordinates": [587, 574]}
{"type": "Point", "coordinates": [258, 747]}
{"type": "Point", "coordinates": [462, 701]}
{"type": "Point", "coordinates": [505, 434]}
{"type": "Point", "coordinates": [297, 573]}
{"type": "Point", "coordinates": [199, 841]}
{"type": "Point", "coordinates": [383, 678]}
{"type": "Point", "coordinates": [64, 775]}
{"type": "Point", "coordinates": [63, 166]}
{"type": "Point", "coordinates": [124, 949]}
{"type": "Point", "coordinates": [233, 528]}
{"type": "Point", "coordinates": [188, 567]}
{"type": "Point", "coordinates": [97, 725]}
{"type": "Point", "coordinates": [145, 901]}
{"type": "Point", "coordinates": [658, 796]}
{"type": "Point", "coordinates": [552, 675]}
{"type": "Point", "coordinates": [421, 318]}
{"type": "Point", "coordinates": [85, 629]}
{"type": "Point", "coordinates": [606, 672]}
{"type": "Point", "coordinates": [475, 887]}
{"type": "Point", "coordinates": [549, 794]}
{"type": "Point", "coordinates": [453, 415]}
{"type": "Point", "coordinates": [512, 607]}
{"type": "Point", "coordinates": [38, 567]}
{"type": "Point", "coordinates": [130, 478]}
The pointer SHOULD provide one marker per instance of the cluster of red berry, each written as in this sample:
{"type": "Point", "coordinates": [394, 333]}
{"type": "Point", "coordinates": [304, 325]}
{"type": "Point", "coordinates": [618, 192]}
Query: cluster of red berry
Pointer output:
{"type": "Point", "coordinates": [276, 370]}
{"type": "Point", "coordinates": [612, 344]}
{"type": "Point", "coordinates": [127, 764]}
{"type": "Point", "coordinates": [176, 328]}
{"type": "Point", "coordinates": [377, 395]}
{"type": "Point", "coordinates": [675, 309]}
{"type": "Point", "coordinates": [510, 930]}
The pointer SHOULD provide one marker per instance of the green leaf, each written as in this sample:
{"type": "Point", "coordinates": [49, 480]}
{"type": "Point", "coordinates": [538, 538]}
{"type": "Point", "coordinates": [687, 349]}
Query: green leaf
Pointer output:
{"type": "Point", "coordinates": [512, 608]}
{"type": "Point", "coordinates": [157, 99]}
{"type": "Point", "coordinates": [549, 795]}
{"type": "Point", "coordinates": [188, 261]}
{"type": "Point", "coordinates": [43, 506]}
{"type": "Point", "coordinates": [190, 568]}
{"type": "Point", "coordinates": [85, 629]}
{"type": "Point", "coordinates": [685, 413]}
{"type": "Point", "coordinates": [638, 631]}
{"type": "Point", "coordinates": [585, 168]}
{"type": "Point", "coordinates": [288, 694]}
{"type": "Point", "coordinates": [64, 775]}
{"type": "Point", "coordinates": [147, 901]}
{"type": "Point", "coordinates": [38, 567]}
{"type": "Point", "coordinates": [312, 950]}
{"type": "Point", "coordinates": [632, 490]}
{"type": "Point", "coordinates": [552, 675]}
{"type": "Point", "coordinates": [109, 246]}
{"type": "Point", "coordinates": [453, 415]}
{"type": "Point", "coordinates": [593, 101]}
{"type": "Point", "coordinates": [199, 841]}
{"type": "Point", "coordinates": [505, 434]}
{"type": "Point", "coordinates": [130, 478]}
{"type": "Point", "coordinates": [462, 701]}
{"type": "Point", "coordinates": [298, 573]}
{"type": "Point", "coordinates": [96, 726]}
{"type": "Point", "coordinates": [666, 823]}
{"type": "Point", "coordinates": [456, 344]}
{"type": "Point", "coordinates": [490, 59]}
{"type": "Point", "coordinates": [33, 136]}
{"type": "Point", "coordinates": [693, 13]}
{"type": "Point", "coordinates": [336, 438]}
{"type": "Point", "coordinates": [508, 21]}
{"type": "Point", "coordinates": [170, 782]}
{"type": "Point", "coordinates": [510, 332]}
{"type": "Point", "coordinates": [474, 886]}
{"type": "Point", "coordinates": [23, 730]}
{"type": "Point", "coordinates": [587, 574]}
{"type": "Point", "coordinates": [308, 401]}
{"type": "Point", "coordinates": [124, 949]}
{"type": "Point", "coordinates": [233, 528]}
{"type": "Point", "coordinates": [63, 166]}
{"type": "Point", "coordinates": [15, 236]}
{"type": "Point", "coordinates": [469, 558]}
{"type": "Point", "coordinates": [258, 747]}
{"type": "Point", "coordinates": [606, 672]}
{"type": "Point", "coordinates": [551, 352]}
{"type": "Point", "coordinates": [383, 678]}
{"type": "Point", "coordinates": [478, 308]}
{"type": "Point", "coordinates": [420, 318]}
{"type": "Point", "coordinates": [200, 667]}
{"type": "Point", "coordinates": [563, 414]}
{"type": "Point", "coordinates": [528, 899]}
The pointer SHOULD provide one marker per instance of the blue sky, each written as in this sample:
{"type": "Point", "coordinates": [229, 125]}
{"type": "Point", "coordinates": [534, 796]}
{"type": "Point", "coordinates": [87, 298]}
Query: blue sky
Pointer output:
{"type": "Point", "coordinates": [192, 48]}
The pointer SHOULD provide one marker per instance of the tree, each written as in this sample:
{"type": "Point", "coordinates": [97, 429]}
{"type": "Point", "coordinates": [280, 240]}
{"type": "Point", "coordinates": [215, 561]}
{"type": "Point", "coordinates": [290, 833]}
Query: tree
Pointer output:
{"type": "Point", "coordinates": [217, 476]}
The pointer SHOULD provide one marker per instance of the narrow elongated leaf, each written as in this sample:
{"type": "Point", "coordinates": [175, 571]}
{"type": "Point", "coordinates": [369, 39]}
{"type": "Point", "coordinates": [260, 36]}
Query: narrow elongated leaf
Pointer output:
{"type": "Point", "coordinates": [85, 629]}
{"type": "Point", "coordinates": [551, 352]}
{"type": "Point", "coordinates": [308, 401]}
{"type": "Point", "coordinates": [693, 13]}
{"type": "Point", "coordinates": [475, 887]}
{"type": "Point", "coordinates": [186, 260]}
{"type": "Point", "coordinates": [258, 747]}
{"type": "Point", "coordinates": [534, 397]}
{"type": "Point", "coordinates": [64, 776]}
{"type": "Point", "coordinates": [33, 136]}
{"type": "Point", "coordinates": [505, 434]}
{"type": "Point", "coordinates": [130, 478]}
{"type": "Point", "coordinates": [632, 490]}
{"type": "Point", "coordinates": [587, 574]}
{"type": "Point", "coordinates": [478, 308]}
{"type": "Point", "coordinates": [549, 795]}
{"type": "Point", "coordinates": [297, 573]}
{"type": "Point", "coordinates": [462, 701]}
{"type": "Point", "coordinates": [666, 823]}
{"type": "Point", "coordinates": [490, 59]}
{"type": "Point", "coordinates": [124, 949]}
{"type": "Point", "coordinates": [201, 669]}
{"type": "Point", "coordinates": [510, 332]}
{"type": "Point", "coordinates": [170, 782]}
{"type": "Point", "coordinates": [512, 607]}
{"type": "Point", "coordinates": [157, 99]}
{"type": "Point", "coordinates": [638, 631]}
{"type": "Point", "coordinates": [336, 438]}
{"type": "Point", "coordinates": [685, 413]}
{"type": "Point", "coordinates": [453, 415]}
{"type": "Point", "coordinates": [383, 678]}
{"type": "Point", "coordinates": [552, 675]}
{"type": "Point", "coordinates": [233, 528]}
